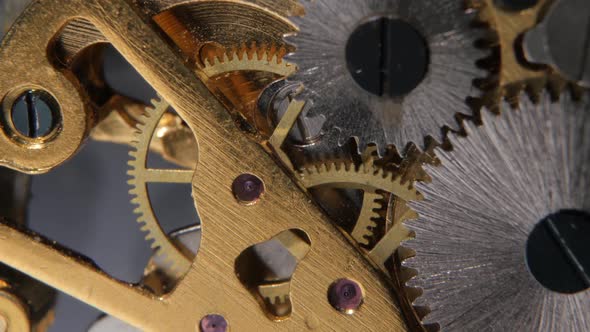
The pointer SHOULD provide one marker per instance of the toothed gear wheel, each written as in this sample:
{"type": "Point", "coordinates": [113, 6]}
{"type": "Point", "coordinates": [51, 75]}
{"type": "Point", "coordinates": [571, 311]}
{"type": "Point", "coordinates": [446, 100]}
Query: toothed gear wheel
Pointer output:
{"type": "Point", "coordinates": [253, 58]}
{"type": "Point", "coordinates": [370, 230]}
{"type": "Point", "coordinates": [367, 176]}
{"type": "Point", "coordinates": [497, 185]}
{"type": "Point", "coordinates": [351, 111]}
{"type": "Point", "coordinates": [370, 219]}
{"type": "Point", "coordinates": [141, 175]}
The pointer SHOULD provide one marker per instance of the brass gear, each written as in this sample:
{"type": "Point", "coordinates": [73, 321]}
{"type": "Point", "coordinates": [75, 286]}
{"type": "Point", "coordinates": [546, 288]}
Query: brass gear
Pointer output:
{"type": "Point", "coordinates": [393, 174]}
{"type": "Point", "coordinates": [389, 211]}
{"type": "Point", "coordinates": [238, 76]}
{"type": "Point", "coordinates": [367, 176]}
{"type": "Point", "coordinates": [377, 183]}
{"type": "Point", "coordinates": [245, 59]}
{"type": "Point", "coordinates": [141, 175]}
{"type": "Point", "coordinates": [263, 58]}
{"type": "Point", "coordinates": [514, 74]}
{"type": "Point", "coordinates": [369, 218]}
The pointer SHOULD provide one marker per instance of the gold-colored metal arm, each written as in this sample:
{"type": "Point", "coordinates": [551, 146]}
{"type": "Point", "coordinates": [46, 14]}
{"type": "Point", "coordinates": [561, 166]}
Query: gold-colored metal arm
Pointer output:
{"type": "Point", "coordinates": [211, 285]}
{"type": "Point", "coordinates": [33, 256]}
{"type": "Point", "coordinates": [282, 131]}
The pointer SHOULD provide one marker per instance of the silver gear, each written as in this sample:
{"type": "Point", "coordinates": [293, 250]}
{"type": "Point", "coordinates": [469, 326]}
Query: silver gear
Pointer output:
{"type": "Point", "coordinates": [485, 199]}
{"type": "Point", "coordinates": [353, 112]}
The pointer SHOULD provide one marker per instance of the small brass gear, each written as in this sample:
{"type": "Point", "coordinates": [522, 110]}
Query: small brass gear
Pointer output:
{"type": "Point", "coordinates": [238, 76]}
{"type": "Point", "coordinates": [514, 74]}
{"type": "Point", "coordinates": [369, 219]}
{"type": "Point", "coordinates": [375, 176]}
{"type": "Point", "coordinates": [367, 176]}
{"type": "Point", "coordinates": [377, 183]}
{"type": "Point", "coordinates": [268, 59]}
{"type": "Point", "coordinates": [141, 176]}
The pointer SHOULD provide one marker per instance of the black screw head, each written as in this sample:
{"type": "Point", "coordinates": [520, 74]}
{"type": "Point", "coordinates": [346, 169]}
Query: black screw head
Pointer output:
{"type": "Point", "coordinates": [248, 189]}
{"type": "Point", "coordinates": [387, 57]}
{"type": "Point", "coordinates": [213, 323]}
{"type": "Point", "coordinates": [34, 114]}
{"type": "Point", "coordinates": [558, 251]}
{"type": "Point", "coordinates": [345, 295]}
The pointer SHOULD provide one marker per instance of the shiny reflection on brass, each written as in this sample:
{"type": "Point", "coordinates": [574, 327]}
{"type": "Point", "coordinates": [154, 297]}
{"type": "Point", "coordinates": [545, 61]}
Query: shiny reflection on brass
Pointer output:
{"type": "Point", "coordinates": [23, 100]}
{"type": "Point", "coordinates": [210, 285]}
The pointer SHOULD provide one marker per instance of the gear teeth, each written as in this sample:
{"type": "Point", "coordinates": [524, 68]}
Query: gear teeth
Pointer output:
{"type": "Point", "coordinates": [474, 90]}
{"type": "Point", "coordinates": [411, 291]}
{"type": "Point", "coordinates": [370, 219]}
{"type": "Point", "coordinates": [496, 90]}
{"type": "Point", "coordinates": [367, 176]}
{"type": "Point", "coordinates": [148, 222]}
{"type": "Point", "coordinates": [410, 264]}
{"type": "Point", "coordinates": [249, 58]}
{"type": "Point", "coordinates": [372, 175]}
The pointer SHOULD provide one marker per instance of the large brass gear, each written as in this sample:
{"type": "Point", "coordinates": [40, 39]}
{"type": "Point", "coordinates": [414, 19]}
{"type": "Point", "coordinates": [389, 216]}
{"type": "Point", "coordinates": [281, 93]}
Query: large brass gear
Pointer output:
{"type": "Point", "coordinates": [245, 59]}
{"type": "Point", "coordinates": [141, 176]}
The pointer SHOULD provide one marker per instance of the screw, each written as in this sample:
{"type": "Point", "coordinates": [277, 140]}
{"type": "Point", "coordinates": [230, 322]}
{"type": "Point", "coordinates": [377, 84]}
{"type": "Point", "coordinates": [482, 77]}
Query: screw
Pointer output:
{"type": "Point", "coordinates": [377, 62]}
{"type": "Point", "coordinates": [32, 114]}
{"type": "Point", "coordinates": [345, 295]}
{"type": "Point", "coordinates": [557, 252]}
{"type": "Point", "coordinates": [213, 323]}
{"type": "Point", "coordinates": [248, 189]}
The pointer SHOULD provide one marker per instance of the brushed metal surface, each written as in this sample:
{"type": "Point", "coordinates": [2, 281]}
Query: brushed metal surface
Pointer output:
{"type": "Point", "coordinates": [483, 203]}
{"type": "Point", "coordinates": [350, 110]}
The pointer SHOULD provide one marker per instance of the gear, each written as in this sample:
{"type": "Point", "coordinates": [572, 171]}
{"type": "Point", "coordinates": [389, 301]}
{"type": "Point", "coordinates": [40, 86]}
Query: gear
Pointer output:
{"type": "Point", "coordinates": [515, 75]}
{"type": "Point", "coordinates": [376, 183]}
{"type": "Point", "coordinates": [364, 231]}
{"type": "Point", "coordinates": [252, 58]}
{"type": "Point", "coordinates": [217, 63]}
{"type": "Point", "coordinates": [518, 172]}
{"type": "Point", "coordinates": [367, 176]}
{"type": "Point", "coordinates": [239, 76]}
{"type": "Point", "coordinates": [389, 212]}
{"type": "Point", "coordinates": [443, 39]}
{"type": "Point", "coordinates": [141, 176]}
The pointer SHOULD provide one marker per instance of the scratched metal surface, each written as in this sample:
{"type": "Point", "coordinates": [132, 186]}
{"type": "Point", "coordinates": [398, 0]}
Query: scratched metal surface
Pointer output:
{"type": "Point", "coordinates": [84, 204]}
{"type": "Point", "coordinates": [350, 111]}
{"type": "Point", "coordinates": [484, 201]}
